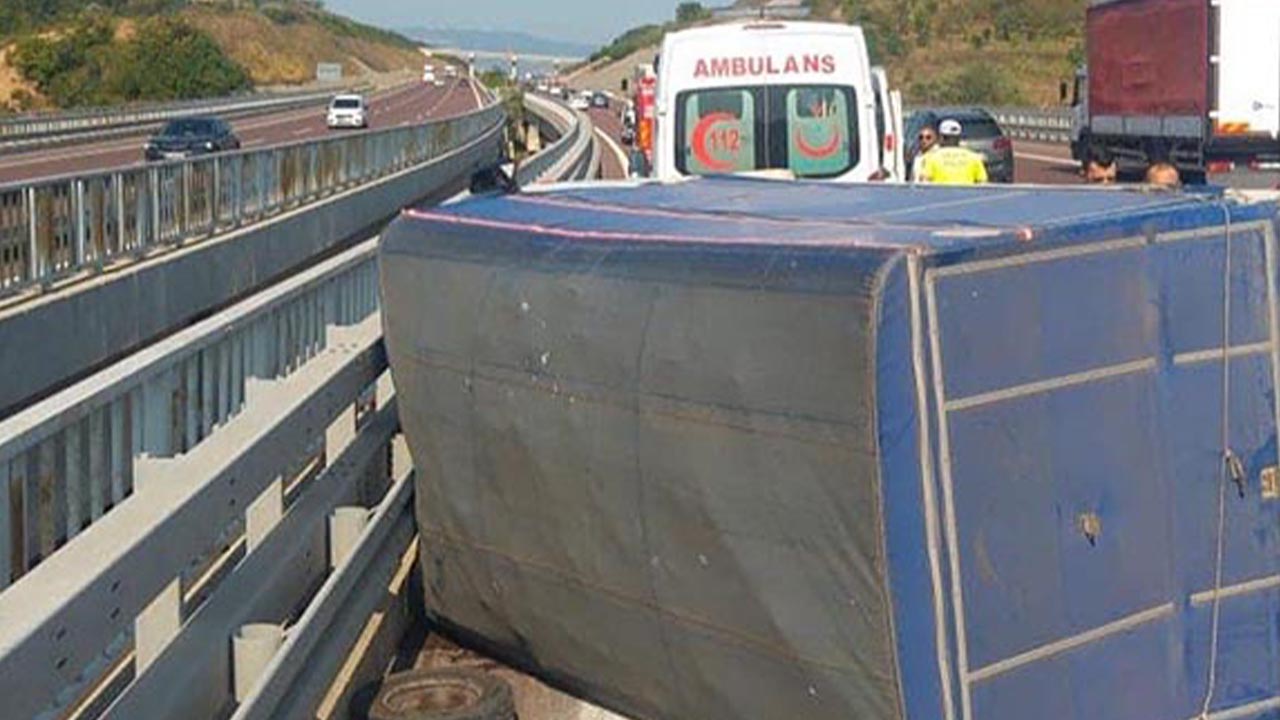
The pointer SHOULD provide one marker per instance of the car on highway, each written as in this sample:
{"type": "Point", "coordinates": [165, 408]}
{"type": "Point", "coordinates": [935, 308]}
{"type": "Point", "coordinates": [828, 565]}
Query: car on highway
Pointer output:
{"type": "Point", "coordinates": [580, 101]}
{"type": "Point", "coordinates": [982, 134]}
{"type": "Point", "coordinates": [347, 111]}
{"type": "Point", "coordinates": [599, 100]}
{"type": "Point", "coordinates": [188, 137]}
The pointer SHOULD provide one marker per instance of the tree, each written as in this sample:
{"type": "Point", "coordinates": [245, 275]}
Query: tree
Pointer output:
{"type": "Point", "coordinates": [691, 12]}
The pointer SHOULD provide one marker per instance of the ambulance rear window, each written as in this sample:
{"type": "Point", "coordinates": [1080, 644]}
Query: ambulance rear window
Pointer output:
{"type": "Point", "coordinates": [811, 130]}
{"type": "Point", "coordinates": [719, 134]}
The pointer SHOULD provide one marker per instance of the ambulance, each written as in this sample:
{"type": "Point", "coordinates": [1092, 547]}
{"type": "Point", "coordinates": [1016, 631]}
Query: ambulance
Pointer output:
{"type": "Point", "coordinates": [796, 99]}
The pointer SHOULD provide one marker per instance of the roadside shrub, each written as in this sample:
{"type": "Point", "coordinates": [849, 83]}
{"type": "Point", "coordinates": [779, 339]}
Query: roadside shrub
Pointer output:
{"type": "Point", "coordinates": [972, 84]}
{"type": "Point", "coordinates": [166, 59]}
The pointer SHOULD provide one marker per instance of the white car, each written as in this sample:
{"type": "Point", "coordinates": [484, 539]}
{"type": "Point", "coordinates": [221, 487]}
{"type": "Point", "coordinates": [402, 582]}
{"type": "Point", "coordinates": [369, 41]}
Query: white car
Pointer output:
{"type": "Point", "coordinates": [580, 101]}
{"type": "Point", "coordinates": [348, 111]}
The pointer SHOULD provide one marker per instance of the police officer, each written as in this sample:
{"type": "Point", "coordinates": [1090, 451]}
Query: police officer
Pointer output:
{"type": "Point", "coordinates": [951, 164]}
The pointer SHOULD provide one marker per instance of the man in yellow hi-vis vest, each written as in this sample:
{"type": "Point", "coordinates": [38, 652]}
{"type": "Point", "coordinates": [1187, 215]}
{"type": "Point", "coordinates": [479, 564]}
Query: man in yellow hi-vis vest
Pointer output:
{"type": "Point", "coordinates": [951, 164]}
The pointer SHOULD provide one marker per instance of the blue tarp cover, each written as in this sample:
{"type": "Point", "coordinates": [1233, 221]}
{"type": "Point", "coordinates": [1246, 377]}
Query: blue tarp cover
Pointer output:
{"type": "Point", "coordinates": [747, 450]}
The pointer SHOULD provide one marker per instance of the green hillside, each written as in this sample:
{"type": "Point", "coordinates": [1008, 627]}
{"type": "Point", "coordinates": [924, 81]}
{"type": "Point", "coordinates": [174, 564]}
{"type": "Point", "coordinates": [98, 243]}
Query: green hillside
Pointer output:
{"type": "Point", "coordinates": [970, 51]}
{"type": "Point", "coordinates": [72, 53]}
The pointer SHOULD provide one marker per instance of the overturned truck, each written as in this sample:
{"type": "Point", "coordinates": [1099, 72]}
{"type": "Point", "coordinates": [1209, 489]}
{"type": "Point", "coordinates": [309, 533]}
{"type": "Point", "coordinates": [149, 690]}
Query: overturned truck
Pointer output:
{"type": "Point", "coordinates": [747, 450]}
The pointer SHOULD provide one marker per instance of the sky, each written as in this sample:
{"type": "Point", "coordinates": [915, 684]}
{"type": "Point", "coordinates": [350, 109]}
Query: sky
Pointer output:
{"type": "Point", "coordinates": [593, 22]}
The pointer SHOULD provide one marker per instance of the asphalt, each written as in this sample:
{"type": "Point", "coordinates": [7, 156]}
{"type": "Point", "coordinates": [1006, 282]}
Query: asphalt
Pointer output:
{"type": "Point", "coordinates": [613, 159]}
{"type": "Point", "coordinates": [1044, 164]}
{"type": "Point", "coordinates": [407, 104]}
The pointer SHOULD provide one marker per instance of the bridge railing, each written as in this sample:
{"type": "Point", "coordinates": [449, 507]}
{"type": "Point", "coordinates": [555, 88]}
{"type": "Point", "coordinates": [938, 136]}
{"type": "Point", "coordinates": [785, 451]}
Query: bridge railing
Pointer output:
{"type": "Point", "coordinates": [153, 509]}
{"type": "Point", "coordinates": [53, 228]}
{"type": "Point", "coordinates": [1049, 125]}
{"type": "Point", "coordinates": [573, 155]}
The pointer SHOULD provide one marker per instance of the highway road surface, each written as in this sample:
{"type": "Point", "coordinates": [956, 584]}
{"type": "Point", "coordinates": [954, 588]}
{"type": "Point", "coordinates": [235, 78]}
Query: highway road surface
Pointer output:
{"type": "Point", "coordinates": [613, 158]}
{"type": "Point", "coordinates": [407, 104]}
{"type": "Point", "coordinates": [1044, 164]}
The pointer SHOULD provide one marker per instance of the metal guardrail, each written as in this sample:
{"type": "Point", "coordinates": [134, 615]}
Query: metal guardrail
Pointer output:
{"type": "Point", "coordinates": [1048, 125]}
{"type": "Point", "coordinates": [144, 516]}
{"type": "Point", "coordinates": [32, 125]}
{"type": "Point", "coordinates": [573, 156]}
{"type": "Point", "coordinates": [53, 228]}
{"type": "Point", "coordinates": [1040, 125]}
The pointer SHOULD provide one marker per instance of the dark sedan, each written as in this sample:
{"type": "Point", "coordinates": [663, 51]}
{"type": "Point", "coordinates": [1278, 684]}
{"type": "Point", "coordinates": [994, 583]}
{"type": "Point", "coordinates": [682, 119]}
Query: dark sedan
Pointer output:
{"type": "Point", "coordinates": [982, 134]}
{"type": "Point", "coordinates": [191, 136]}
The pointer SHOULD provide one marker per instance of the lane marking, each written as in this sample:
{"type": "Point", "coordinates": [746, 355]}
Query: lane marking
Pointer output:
{"type": "Point", "coordinates": [615, 148]}
{"type": "Point", "coordinates": [1065, 162]}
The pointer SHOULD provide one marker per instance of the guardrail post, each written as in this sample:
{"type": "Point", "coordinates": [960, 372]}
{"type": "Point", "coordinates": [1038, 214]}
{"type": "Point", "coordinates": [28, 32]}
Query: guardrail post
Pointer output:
{"type": "Point", "coordinates": [346, 526]}
{"type": "Point", "coordinates": [252, 648]}
{"type": "Point", "coordinates": [6, 526]}
{"type": "Point", "coordinates": [215, 207]}
{"type": "Point", "coordinates": [184, 222]}
{"type": "Point", "coordinates": [117, 183]}
{"type": "Point", "coordinates": [153, 177]}
{"type": "Point", "coordinates": [79, 228]}
{"type": "Point", "coordinates": [157, 411]}
{"type": "Point", "coordinates": [33, 244]}
{"type": "Point", "coordinates": [157, 625]}
{"type": "Point", "coordinates": [263, 514]}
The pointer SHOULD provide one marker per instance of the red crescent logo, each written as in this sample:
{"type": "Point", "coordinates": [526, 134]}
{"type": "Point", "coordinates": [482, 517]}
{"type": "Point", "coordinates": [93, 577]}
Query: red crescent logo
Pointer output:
{"type": "Point", "coordinates": [700, 149]}
{"type": "Point", "coordinates": [819, 151]}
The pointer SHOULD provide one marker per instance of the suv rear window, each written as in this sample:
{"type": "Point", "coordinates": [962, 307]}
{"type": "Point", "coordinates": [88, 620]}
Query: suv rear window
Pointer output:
{"type": "Point", "coordinates": [979, 127]}
{"type": "Point", "coordinates": [809, 129]}
{"type": "Point", "coordinates": [188, 127]}
{"type": "Point", "coordinates": [346, 104]}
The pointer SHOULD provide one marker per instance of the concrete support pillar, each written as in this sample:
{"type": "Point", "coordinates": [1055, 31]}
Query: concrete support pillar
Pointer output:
{"type": "Point", "coordinates": [346, 526]}
{"type": "Point", "coordinates": [252, 648]}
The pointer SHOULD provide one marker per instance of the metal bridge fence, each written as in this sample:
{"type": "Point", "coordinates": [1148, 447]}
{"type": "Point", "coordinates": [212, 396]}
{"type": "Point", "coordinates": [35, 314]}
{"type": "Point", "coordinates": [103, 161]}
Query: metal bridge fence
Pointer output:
{"type": "Point", "coordinates": [56, 227]}
{"type": "Point", "coordinates": [1052, 125]}
{"type": "Point", "coordinates": [128, 500]}
{"type": "Point", "coordinates": [573, 156]}
{"type": "Point", "coordinates": [67, 461]}
{"type": "Point", "coordinates": [1048, 125]}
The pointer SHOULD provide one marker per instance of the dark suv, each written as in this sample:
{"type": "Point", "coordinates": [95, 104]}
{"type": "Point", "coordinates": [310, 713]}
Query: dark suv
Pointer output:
{"type": "Point", "coordinates": [981, 134]}
{"type": "Point", "coordinates": [191, 136]}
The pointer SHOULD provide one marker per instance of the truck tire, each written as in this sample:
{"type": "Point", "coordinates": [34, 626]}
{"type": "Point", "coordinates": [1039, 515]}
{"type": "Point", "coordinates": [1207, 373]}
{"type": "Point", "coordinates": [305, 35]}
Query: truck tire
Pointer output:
{"type": "Point", "coordinates": [443, 694]}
